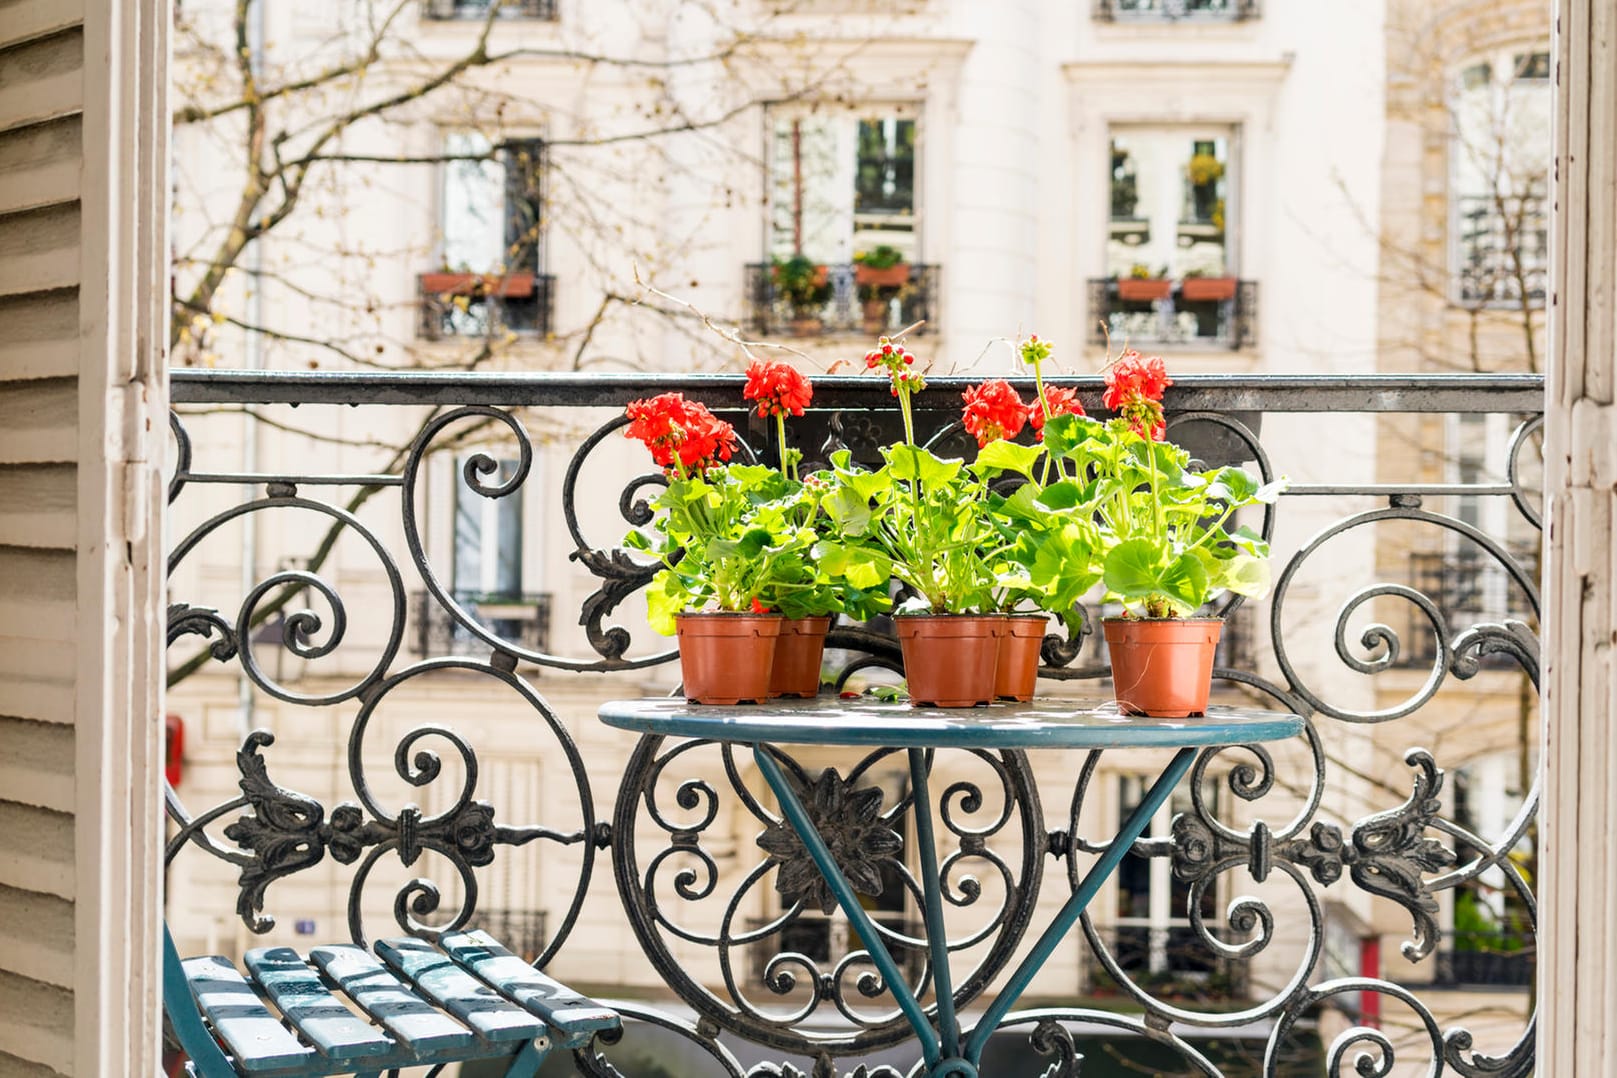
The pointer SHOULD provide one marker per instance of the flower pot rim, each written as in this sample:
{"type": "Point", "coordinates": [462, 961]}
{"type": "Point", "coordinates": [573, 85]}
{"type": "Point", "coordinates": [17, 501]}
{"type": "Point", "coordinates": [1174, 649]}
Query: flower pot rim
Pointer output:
{"type": "Point", "coordinates": [947, 614]}
{"type": "Point", "coordinates": [1028, 615]}
{"type": "Point", "coordinates": [1155, 621]}
{"type": "Point", "coordinates": [727, 614]}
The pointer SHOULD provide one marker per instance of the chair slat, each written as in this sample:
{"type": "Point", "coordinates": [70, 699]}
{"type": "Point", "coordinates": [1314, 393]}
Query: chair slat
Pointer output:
{"type": "Point", "coordinates": [254, 1036]}
{"type": "Point", "coordinates": [387, 999]}
{"type": "Point", "coordinates": [458, 992]}
{"type": "Point", "coordinates": [321, 1019]}
{"type": "Point", "coordinates": [573, 1017]}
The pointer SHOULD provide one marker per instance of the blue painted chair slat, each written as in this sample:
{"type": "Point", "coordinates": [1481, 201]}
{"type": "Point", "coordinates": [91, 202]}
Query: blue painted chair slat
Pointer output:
{"type": "Point", "coordinates": [318, 1016]}
{"type": "Point", "coordinates": [254, 1036]}
{"type": "Point", "coordinates": [572, 1017]}
{"type": "Point", "coordinates": [385, 998]}
{"type": "Point", "coordinates": [437, 977]}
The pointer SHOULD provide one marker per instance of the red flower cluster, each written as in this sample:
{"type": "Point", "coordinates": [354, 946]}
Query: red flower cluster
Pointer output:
{"type": "Point", "coordinates": [898, 362]}
{"type": "Point", "coordinates": [993, 411]}
{"type": "Point", "coordinates": [1061, 401]}
{"type": "Point", "coordinates": [1134, 387]}
{"type": "Point", "coordinates": [680, 433]}
{"type": "Point", "coordinates": [779, 388]}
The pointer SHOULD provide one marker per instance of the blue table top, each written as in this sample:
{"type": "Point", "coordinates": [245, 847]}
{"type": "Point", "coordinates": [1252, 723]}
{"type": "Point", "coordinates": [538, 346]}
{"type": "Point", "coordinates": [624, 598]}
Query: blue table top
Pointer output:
{"type": "Point", "coordinates": [1042, 724]}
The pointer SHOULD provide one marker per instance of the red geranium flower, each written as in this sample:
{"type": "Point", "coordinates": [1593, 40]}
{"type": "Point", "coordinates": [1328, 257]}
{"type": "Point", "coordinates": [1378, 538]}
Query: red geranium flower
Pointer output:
{"type": "Point", "coordinates": [897, 361]}
{"type": "Point", "coordinates": [1135, 377]}
{"type": "Point", "coordinates": [779, 388]}
{"type": "Point", "coordinates": [1134, 387]}
{"type": "Point", "coordinates": [993, 411]}
{"type": "Point", "coordinates": [677, 430]}
{"type": "Point", "coordinates": [1061, 401]}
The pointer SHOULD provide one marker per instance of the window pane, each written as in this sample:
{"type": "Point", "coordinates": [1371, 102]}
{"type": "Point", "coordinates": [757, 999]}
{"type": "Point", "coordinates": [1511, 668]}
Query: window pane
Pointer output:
{"type": "Point", "coordinates": [840, 184]}
{"type": "Point", "coordinates": [1169, 202]}
{"type": "Point", "coordinates": [524, 200]}
{"type": "Point", "coordinates": [474, 207]}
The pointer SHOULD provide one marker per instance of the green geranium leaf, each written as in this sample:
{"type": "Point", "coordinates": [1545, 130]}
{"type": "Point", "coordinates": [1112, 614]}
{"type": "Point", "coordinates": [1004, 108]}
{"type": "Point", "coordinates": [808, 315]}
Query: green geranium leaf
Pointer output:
{"type": "Point", "coordinates": [753, 543]}
{"type": "Point", "coordinates": [848, 511]}
{"type": "Point", "coordinates": [913, 462]}
{"type": "Point", "coordinates": [1233, 485]}
{"type": "Point", "coordinates": [1010, 457]}
{"type": "Point", "coordinates": [661, 605]}
{"type": "Point", "coordinates": [1246, 575]}
{"type": "Point", "coordinates": [1270, 493]}
{"type": "Point", "coordinates": [1064, 494]}
{"type": "Point", "coordinates": [1133, 569]}
{"type": "Point", "coordinates": [1065, 433]}
{"type": "Point", "coordinates": [1184, 583]}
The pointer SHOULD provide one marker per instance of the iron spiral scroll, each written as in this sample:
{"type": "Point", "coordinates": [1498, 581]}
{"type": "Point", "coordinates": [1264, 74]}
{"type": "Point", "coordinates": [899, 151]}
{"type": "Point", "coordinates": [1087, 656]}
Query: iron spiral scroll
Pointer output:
{"type": "Point", "coordinates": [688, 830]}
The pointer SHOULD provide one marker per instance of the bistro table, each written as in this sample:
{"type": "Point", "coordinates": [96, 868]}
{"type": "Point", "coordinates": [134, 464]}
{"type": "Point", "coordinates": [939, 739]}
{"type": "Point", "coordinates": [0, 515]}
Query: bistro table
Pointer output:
{"type": "Point", "coordinates": [1043, 724]}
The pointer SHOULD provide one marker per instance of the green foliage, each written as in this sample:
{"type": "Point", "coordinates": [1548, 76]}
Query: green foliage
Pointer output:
{"type": "Point", "coordinates": [882, 256]}
{"type": "Point", "coordinates": [801, 281]}
{"type": "Point", "coordinates": [1164, 544]}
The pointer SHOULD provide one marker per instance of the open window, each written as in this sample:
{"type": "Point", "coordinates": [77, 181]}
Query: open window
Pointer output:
{"type": "Point", "coordinates": [490, 278]}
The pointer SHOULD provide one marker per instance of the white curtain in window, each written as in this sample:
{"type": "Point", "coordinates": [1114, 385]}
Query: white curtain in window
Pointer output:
{"type": "Point", "coordinates": [473, 206]}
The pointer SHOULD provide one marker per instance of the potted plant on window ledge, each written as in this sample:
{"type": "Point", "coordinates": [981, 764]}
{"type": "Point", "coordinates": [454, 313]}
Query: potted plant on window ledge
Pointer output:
{"type": "Point", "coordinates": [1164, 547]}
{"type": "Point", "coordinates": [1143, 286]}
{"type": "Point", "coordinates": [804, 285]}
{"type": "Point", "coordinates": [508, 285]}
{"type": "Point", "coordinates": [880, 274]}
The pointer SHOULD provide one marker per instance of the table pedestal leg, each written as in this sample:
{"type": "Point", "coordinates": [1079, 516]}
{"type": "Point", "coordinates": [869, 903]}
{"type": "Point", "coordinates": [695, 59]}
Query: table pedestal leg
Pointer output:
{"type": "Point", "coordinates": [1132, 829]}
{"type": "Point", "coordinates": [791, 806]}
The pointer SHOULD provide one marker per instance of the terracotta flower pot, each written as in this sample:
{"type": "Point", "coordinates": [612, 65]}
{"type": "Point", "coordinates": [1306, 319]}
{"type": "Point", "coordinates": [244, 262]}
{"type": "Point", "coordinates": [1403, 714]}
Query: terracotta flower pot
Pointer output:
{"type": "Point", "coordinates": [798, 650]}
{"type": "Point", "coordinates": [950, 659]}
{"type": "Point", "coordinates": [1162, 668]}
{"type": "Point", "coordinates": [1143, 289]}
{"type": "Point", "coordinates": [894, 276]}
{"type": "Point", "coordinates": [1018, 668]}
{"type": "Point", "coordinates": [727, 658]}
{"type": "Point", "coordinates": [1204, 289]}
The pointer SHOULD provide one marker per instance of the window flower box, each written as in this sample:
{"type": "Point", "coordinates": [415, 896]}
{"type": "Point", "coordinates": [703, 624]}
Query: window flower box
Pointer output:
{"type": "Point", "coordinates": [1143, 289]}
{"type": "Point", "coordinates": [1206, 289]}
{"type": "Point", "coordinates": [505, 285]}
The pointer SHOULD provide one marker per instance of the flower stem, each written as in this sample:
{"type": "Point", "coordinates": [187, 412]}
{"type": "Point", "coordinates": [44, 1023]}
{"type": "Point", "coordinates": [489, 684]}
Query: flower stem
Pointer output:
{"type": "Point", "coordinates": [780, 431]}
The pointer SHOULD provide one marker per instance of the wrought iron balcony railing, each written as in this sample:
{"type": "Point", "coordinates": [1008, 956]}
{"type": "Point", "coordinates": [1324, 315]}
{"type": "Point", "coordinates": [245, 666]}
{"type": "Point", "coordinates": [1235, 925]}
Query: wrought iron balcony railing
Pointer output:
{"type": "Point", "coordinates": [1466, 589]}
{"type": "Point", "coordinates": [1469, 960]}
{"type": "Point", "coordinates": [523, 617]}
{"type": "Point", "coordinates": [1210, 312]}
{"type": "Point", "coordinates": [1169, 10]}
{"type": "Point", "coordinates": [844, 299]}
{"type": "Point", "coordinates": [650, 875]}
{"type": "Point", "coordinates": [485, 304]}
{"type": "Point", "coordinates": [477, 9]}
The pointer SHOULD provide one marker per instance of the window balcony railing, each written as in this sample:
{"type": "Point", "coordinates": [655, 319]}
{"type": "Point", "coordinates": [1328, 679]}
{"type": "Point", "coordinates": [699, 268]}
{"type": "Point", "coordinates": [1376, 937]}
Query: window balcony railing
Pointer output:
{"type": "Point", "coordinates": [485, 304]}
{"type": "Point", "coordinates": [1503, 249]}
{"type": "Point", "coordinates": [1170, 10]}
{"type": "Point", "coordinates": [478, 9]}
{"type": "Point", "coordinates": [1467, 587]}
{"type": "Point", "coordinates": [1497, 960]}
{"type": "Point", "coordinates": [845, 300]}
{"type": "Point", "coordinates": [521, 617]}
{"type": "Point", "coordinates": [1209, 312]}
{"type": "Point", "coordinates": [642, 853]}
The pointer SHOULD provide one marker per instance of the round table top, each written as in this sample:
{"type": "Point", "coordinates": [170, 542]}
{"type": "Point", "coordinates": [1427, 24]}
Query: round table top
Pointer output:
{"type": "Point", "coordinates": [1042, 724]}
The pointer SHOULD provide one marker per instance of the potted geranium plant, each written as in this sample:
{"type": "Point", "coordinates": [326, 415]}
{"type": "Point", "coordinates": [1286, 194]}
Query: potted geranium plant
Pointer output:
{"type": "Point", "coordinates": [882, 266]}
{"type": "Point", "coordinates": [1166, 545]}
{"type": "Point", "coordinates": [1046, 559]}
{"type": "Point", "coordinates": [919, 518]}
{"type": "Point", "coordinates": [810, 600]}
{"type": "Point", "coordinates": [805, 286]}
{"type": "Point", "coordinates": [727, 536]}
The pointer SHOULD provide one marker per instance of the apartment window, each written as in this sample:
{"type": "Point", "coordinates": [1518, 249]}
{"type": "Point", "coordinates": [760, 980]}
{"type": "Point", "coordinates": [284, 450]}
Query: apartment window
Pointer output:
{"type": "Point", "coordinates": [1499, 169]}
{"type": "Point", "coordinates": [478, 9]}
{"type": "Point", "coordinates": [1153, 935]}
{"type": "Point", "coordinates": [490, 278]}
{"type": "Point", "coordinates": [488, 535]}
{"type": "Point", "coordinates": [842, 183]}
{"type": "Point", "coordinates": [1170, 265]}
{"type": "Point", "coordinates": [1169, 10]}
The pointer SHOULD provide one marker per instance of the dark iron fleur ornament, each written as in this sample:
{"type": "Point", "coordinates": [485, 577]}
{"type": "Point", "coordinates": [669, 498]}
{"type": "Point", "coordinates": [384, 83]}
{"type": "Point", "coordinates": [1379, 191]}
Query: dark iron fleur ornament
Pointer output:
{"type": "Point", "coordinates": [848, 819]}
{"type": "Point", "coordinates": [1384, 853]}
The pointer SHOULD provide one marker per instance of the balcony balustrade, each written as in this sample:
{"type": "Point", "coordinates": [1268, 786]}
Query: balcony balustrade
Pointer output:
{"type": "Point", "coordinates": [843, 304]}
{"type": "Point", "coordinates": [1204, 312]}
{"type": "Point", "coordinates": [1170, 10]}
{"type": "Point", "coordinates": [478, 9]}
{"type": "Point", "coordinates": [649, 847]}
{"type": "Point", "coordinates": [523, 617]}
{"type": "Point", "coordinates": [1504, 249]}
